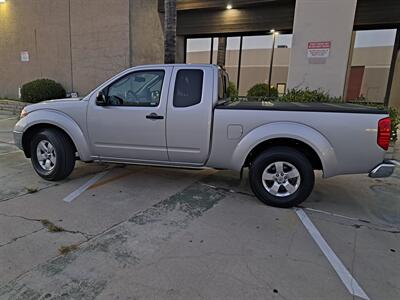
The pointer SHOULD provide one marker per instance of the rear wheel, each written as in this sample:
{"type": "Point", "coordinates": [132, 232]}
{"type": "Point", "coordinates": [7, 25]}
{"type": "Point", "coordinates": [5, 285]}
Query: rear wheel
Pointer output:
{"type": "Point", "coordinates": [281, 177]}
{"type": "Point", "coordinates": [52, 154]}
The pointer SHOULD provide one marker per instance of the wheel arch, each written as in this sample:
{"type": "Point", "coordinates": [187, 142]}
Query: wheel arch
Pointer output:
{"type": "Point", "coordinates": [304, 148]}
{"type": "Point", "coordinates": [34, 129]}
{"type": "Point", "coordinates": [301, 137]}
{"type": "Point", "coordinates": [39, 120]}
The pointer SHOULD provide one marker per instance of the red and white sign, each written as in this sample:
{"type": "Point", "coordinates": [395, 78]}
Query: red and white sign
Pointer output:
{"type": "Point", "coordinates": [319, 49]}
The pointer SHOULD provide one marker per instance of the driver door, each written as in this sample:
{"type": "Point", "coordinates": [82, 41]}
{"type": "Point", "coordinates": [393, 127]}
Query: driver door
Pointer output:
{"type": "Point", "coordinates": [131, 126]}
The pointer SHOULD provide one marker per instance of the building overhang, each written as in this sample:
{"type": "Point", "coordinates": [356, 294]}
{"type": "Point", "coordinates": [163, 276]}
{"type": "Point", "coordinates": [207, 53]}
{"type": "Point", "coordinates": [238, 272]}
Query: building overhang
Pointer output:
{"type": "Point", "coordinates": [211, 17]}
{"type": "Point", "coordinates": [185, 5]}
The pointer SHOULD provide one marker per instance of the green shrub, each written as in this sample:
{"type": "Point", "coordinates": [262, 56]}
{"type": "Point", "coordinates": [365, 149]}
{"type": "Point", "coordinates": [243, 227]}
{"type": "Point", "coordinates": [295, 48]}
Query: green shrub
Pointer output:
{"type": "Point", "coordinates": [232, 90]}
{"type": "Point", "coordinates": [307, 95]}
{"type": "Point", "coordinates": [262, 90]}
{"type": "Point", "coordinates": [42, 89]}
{"type": "Point", "coordinates": [394, 114]}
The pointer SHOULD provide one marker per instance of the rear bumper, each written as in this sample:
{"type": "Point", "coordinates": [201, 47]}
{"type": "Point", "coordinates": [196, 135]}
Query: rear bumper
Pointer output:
{"type": "Point", "coordinates": [384, 169]}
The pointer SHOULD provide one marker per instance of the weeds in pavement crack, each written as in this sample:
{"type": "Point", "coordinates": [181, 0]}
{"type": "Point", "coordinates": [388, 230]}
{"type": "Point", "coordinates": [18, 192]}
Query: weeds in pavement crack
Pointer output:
{"type": "Point", "coordinates": [51, 227]}
{"type": "Point", "coordinates": [32, 190]}
{"type": "Point", "coordinates": [63, 250]}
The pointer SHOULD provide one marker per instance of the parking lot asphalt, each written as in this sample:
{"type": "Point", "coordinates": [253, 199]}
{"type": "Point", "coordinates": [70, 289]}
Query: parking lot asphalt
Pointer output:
{"type": "Point", "coordinates": [134, 232]}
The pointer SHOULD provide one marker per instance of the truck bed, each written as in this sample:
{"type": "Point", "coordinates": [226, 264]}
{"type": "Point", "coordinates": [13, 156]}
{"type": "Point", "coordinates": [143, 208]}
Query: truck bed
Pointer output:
{"type": "Point", "coordinates": [292, 106]}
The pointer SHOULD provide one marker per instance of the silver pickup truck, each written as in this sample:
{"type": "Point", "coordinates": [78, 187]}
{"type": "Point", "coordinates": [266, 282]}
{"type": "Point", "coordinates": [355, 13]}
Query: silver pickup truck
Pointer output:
{"type": "Point", "coordinates": [179, 115]}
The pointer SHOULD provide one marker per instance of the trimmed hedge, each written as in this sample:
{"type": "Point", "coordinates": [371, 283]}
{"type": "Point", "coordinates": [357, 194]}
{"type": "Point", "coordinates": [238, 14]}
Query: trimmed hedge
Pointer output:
{"type": "Point", "coordinates": [307, 95]}
{"type": "Point", "coordinates": [42, 89]}
{"type": "Point", "coordinates": [262, 90]}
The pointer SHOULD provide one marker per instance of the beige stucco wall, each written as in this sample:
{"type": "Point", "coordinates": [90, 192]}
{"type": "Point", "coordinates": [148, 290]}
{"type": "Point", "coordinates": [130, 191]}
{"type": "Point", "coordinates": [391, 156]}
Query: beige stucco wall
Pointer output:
{"type": "Point", "coordinates": [394, 99]}
{"type": "Point", "coordinates": [147, 35]}
{"type": "Point", "coordinates": [376, 61]}
{"type": "Point", "coordinates": [100, 41]}
{"type": "Point", "coordinates": [374, 83]}
{"type": "Point", "coordinates": [372, 56]}
{"type": "Point", "coordinates": [322, 20]}
{"type": "Point", "coordinates": [200, 57]}
{"type": "Point", "coordinates": [41, 28]}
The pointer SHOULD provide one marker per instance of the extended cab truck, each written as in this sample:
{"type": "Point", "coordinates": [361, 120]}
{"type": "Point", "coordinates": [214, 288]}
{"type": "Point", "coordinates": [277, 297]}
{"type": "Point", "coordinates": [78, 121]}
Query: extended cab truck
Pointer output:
{"type": "Point", "coordinates": [179, 115]}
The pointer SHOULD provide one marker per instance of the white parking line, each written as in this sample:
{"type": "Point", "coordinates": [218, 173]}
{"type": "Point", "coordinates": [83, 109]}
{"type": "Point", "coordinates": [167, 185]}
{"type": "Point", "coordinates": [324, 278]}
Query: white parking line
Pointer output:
{"type": "Point", "coordinates": [348, 280]}
{"type": "Point", "coordinates": [75, 194]}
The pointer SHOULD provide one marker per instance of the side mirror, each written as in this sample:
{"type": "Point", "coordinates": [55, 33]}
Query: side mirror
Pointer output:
{"type": "Point", "coordinates": [101, 99]}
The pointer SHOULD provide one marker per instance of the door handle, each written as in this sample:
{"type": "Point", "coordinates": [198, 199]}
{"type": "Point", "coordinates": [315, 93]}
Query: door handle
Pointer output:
{"type": "Point", "coordinates": [154, 116]}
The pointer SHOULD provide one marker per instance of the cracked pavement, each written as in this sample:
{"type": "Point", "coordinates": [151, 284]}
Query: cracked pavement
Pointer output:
{"type": "Point", "coordinates": [156, 233]}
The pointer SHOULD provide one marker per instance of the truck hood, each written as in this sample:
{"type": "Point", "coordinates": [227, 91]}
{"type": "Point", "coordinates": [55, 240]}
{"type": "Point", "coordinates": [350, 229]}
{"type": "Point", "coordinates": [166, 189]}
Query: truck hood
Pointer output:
{"type": "Point", "coordinates": [57, 104]}
{"type": "Point", "coordinates": [62, 100]}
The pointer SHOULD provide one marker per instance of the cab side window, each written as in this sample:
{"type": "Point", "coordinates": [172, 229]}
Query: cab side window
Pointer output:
{"type": "Point", "coordinates": [188, 87]}
{"type": "Point", "coordinates": [142, 88]}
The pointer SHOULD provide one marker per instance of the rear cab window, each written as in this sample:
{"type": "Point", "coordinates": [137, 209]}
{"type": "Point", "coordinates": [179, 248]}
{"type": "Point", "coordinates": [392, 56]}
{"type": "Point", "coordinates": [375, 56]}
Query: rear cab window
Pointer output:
{"type": "Point", "coordinates": [188, 89]}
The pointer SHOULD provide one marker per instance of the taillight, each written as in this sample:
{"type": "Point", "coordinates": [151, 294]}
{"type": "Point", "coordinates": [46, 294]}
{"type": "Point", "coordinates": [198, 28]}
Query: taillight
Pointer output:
{"type": "Point", "coordinates": [384, 133]}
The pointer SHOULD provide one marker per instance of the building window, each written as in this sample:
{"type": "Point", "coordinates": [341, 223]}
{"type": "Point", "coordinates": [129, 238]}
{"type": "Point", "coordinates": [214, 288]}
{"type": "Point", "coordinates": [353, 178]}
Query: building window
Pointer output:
{"type": "Point", "coordinates": [256, 57]}
{"type": "Point", "coordinates": [247, 58]}
{"type": "Point", "coordinates": [198, 51]}
{"type": "Point", "coordinates": [201, 50]}
{"type": "Point", "coordinates": [371, 57]}
{"type": "Point", "coordinates": [232, 58]}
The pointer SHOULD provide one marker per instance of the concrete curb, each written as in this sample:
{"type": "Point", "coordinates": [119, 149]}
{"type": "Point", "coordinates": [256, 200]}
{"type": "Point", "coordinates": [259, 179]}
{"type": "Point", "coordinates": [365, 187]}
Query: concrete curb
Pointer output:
{"type": "Point", "coordinates": [14, 107]}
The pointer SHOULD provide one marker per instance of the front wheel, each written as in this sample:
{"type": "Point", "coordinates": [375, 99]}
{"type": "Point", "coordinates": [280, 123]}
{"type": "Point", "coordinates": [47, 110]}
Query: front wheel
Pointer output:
{"type": "Point", "coordinates": [52, 154]}
{"type": "Point", "coordinates": [281, 177]}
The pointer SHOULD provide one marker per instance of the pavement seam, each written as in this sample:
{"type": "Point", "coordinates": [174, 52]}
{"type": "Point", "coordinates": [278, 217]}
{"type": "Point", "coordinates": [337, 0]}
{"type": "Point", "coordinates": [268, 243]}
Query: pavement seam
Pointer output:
{"type": "Point", "coordinates": [396, 229]}
{"type": "Point", "coordinates": [28, 193]}
{"type": "Point", "coordinates": [357, 226]}
{"type": "Point", "coordinates": [39, 189]}
{"type": "Point", "coordinates": [132, 219]}
{"type": "Point", "coordinates": [353, 260]}
{"type": "Point", "coordinates": [86, 235]}
{"type": "Point", "coordinates": [20, 237]}
{"type": "Point", "coordinates": [88, 239]}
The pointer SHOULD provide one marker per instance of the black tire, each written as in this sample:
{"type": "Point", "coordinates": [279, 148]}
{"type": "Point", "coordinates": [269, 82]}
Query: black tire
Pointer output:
{"type": "Point", "coordinates": [291, 156]}
{"type": "Point", "coordinates": [64, 152]}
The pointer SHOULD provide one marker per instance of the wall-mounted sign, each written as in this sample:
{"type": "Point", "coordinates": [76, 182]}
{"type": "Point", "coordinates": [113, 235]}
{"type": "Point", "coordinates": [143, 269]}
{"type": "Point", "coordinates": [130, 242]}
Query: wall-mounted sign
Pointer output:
{"type": "Point", "coordinates": [319, 49]}
{"type": "Point", "coordinates": [24, 56]}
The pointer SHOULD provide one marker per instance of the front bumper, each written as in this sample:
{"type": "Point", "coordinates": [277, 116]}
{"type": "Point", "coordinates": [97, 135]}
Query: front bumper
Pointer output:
{"type": "Point", "coordinates": [18, 139]}
{"type": "Point", "coordinates": [385, 169]}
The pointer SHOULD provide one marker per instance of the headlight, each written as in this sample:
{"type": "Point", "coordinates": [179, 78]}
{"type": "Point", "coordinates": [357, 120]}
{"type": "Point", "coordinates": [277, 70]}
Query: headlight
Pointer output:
{"type": "Point", "coordinates": [23, 114]}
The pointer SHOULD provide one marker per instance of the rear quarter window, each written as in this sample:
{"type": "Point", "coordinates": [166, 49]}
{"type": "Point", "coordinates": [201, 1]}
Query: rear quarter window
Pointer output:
{"type": "Point", "coordinates": [188, 88]}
